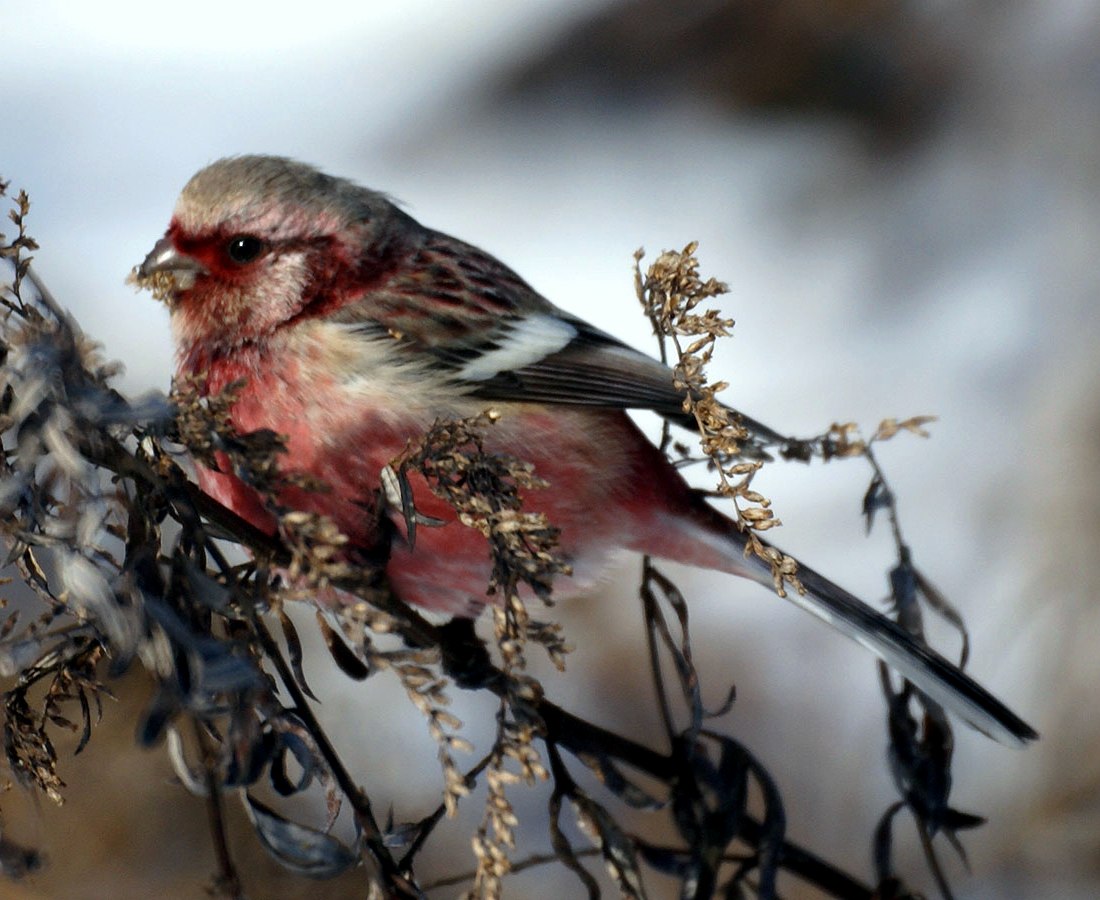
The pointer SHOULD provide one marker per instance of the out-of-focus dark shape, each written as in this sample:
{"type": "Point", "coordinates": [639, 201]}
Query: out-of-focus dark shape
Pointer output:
{"type": "Point", "coordinates": [878, 63]}
{"type": "Point", "coordinates": [17, 861]}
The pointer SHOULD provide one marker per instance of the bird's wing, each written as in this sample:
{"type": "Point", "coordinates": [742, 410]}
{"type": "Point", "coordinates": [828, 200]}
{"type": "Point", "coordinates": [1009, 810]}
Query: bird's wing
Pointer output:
{"type": "Point", "coordinates": [497, 338]}
{"type": "Point", "coordinates": [590, 368]}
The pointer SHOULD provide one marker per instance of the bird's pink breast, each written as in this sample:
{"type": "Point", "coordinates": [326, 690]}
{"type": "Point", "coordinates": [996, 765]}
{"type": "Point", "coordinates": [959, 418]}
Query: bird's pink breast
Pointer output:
{"type": "Point", "coordinates": [605, 479]}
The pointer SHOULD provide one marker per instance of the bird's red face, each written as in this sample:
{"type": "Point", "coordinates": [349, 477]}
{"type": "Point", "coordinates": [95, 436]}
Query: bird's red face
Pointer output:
{"type": "Point", "coordinates": [227, 285]}
{"type": "Point", "coordinates": [245, 255]}
{"type": "Point", "coordinates": [224, 255]}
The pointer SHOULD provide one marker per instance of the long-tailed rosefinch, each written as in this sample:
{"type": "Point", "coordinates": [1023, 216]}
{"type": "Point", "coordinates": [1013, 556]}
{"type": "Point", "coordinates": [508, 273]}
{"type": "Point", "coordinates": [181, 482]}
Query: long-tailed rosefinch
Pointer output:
{"type": "Point", "coordinates": [356, 328]}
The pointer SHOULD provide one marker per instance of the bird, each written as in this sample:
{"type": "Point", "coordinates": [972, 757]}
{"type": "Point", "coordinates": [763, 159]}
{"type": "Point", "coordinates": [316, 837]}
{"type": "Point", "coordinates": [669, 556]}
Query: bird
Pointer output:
{"type": "Point", "coordinates": [349, 328]}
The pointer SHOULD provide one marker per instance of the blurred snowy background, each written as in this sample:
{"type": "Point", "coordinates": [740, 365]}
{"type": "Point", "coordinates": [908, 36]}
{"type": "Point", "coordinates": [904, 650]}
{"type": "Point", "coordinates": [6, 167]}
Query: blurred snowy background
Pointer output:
{"type": "Point", "coordinates": [904, 200]}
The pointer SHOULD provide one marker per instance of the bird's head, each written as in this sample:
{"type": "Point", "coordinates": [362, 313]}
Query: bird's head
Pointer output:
{"type": "Point", "coordinates": [256, 242]}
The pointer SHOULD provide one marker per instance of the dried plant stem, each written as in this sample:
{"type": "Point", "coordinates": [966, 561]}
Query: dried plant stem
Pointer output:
{"type": "Point", "coordinates": [355, 795]}
{"type": "Point", "coordinates": [227, 883]}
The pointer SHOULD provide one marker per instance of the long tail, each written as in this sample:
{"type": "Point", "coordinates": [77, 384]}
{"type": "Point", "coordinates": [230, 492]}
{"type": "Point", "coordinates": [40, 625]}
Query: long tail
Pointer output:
{"type": "Point", "coordinates": [715, 542]}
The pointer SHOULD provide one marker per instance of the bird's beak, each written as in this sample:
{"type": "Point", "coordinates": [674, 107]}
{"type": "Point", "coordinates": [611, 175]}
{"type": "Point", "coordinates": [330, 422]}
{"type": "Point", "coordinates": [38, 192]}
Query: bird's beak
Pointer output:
{"type": "Point", "coordinates": [164, 257]}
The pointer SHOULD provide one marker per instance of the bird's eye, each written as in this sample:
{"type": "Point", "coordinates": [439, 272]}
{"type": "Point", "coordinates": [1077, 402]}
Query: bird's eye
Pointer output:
{"type": "Point", "coordinates": [244, 248]}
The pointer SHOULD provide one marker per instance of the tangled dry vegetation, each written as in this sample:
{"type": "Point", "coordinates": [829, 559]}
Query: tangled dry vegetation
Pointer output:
{"type": "Point", "coordinates": [132, 566]}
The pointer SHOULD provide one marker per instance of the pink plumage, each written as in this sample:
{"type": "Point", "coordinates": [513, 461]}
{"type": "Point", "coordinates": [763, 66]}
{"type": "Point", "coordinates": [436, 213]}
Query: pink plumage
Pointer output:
{"type": "Point", "coordinates": [355, 328]}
